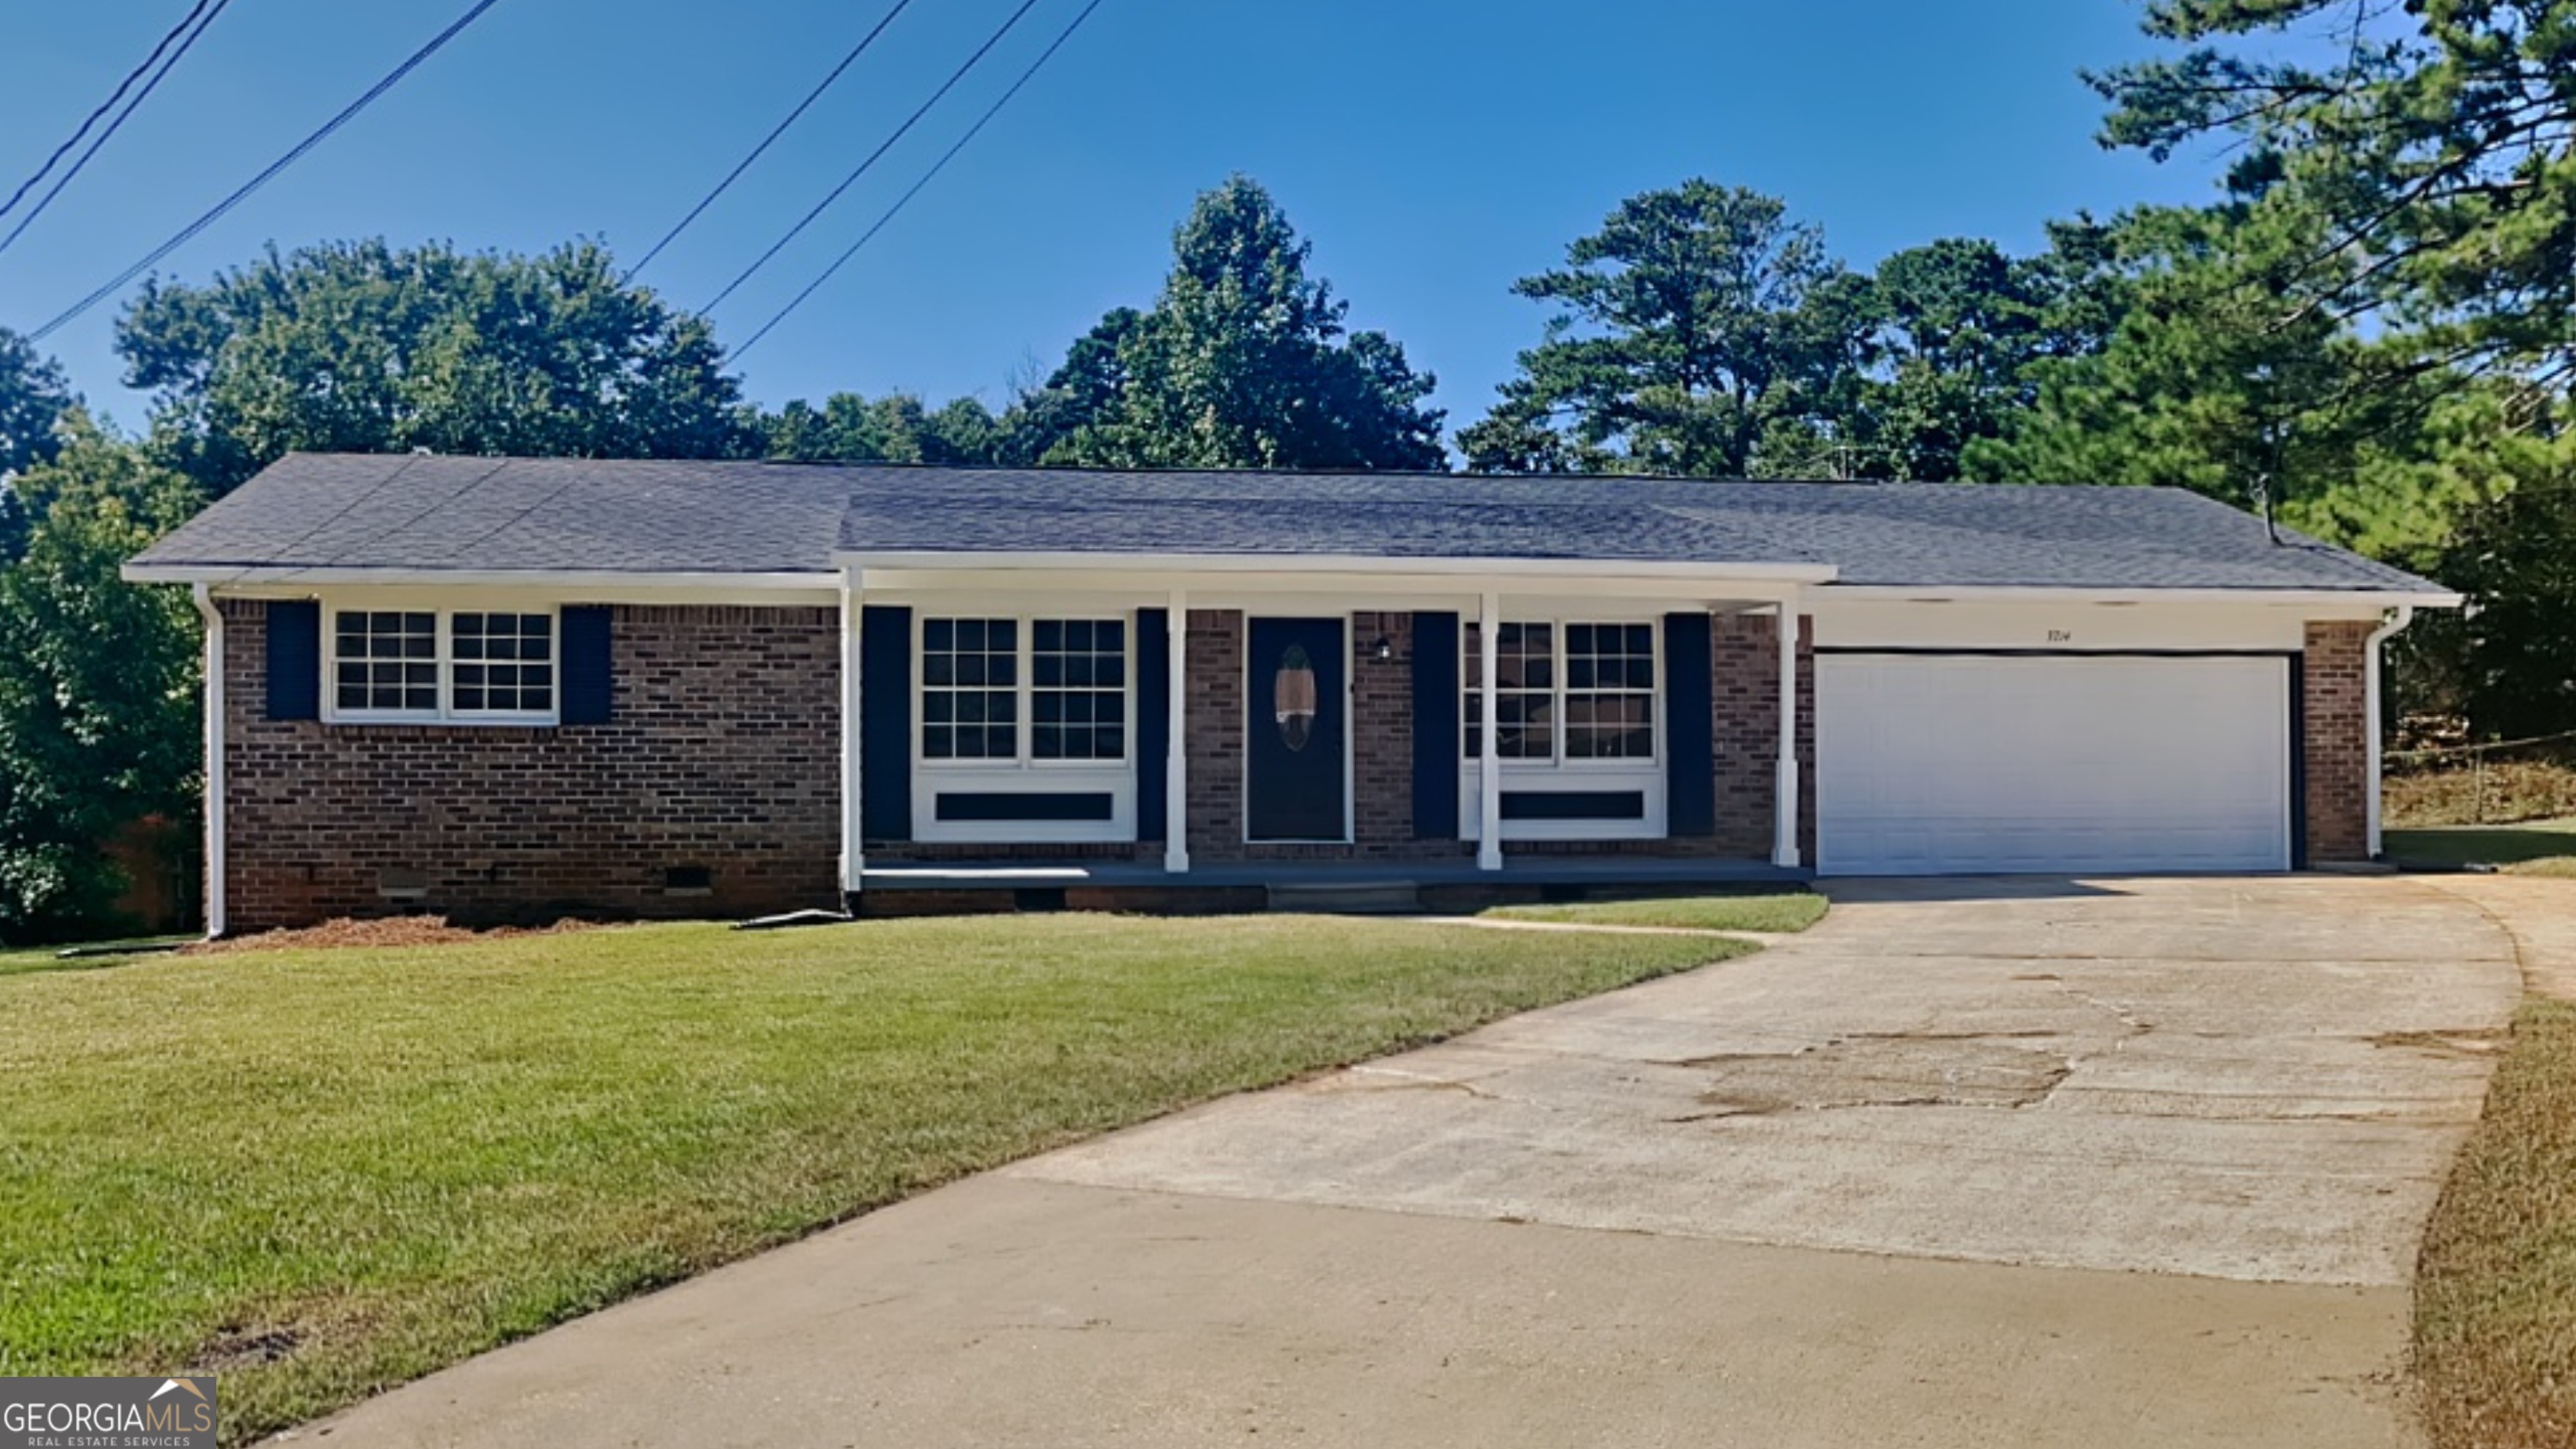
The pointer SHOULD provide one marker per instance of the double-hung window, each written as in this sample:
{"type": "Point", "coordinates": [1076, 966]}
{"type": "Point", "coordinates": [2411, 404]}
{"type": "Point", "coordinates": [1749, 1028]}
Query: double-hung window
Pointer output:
{"type": "Point", "coordinates": [1564, 692]}
{"type": "Point", "coordinates": [1008, 691]}
{"type": "Point", "coordinates": [431, 665]}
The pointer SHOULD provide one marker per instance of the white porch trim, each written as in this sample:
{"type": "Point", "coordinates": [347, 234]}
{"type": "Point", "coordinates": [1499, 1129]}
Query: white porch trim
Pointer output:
{"type": "Point", "coordinates": [1176, 754]}
{"type": "Point", "coordinates": [1489, 773]}
{"type": "Point", "coordinates": [1784, 790]}
{"type": "Point", "coordinates": [214, 802]}
{"type": "Point", "coordinates": [853, 826]}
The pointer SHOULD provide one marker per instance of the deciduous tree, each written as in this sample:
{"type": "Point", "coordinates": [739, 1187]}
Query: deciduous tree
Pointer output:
{"type": "Point", "coordinates": [98, 681]}
{"type": "Point", "coordinates": [363, 347]}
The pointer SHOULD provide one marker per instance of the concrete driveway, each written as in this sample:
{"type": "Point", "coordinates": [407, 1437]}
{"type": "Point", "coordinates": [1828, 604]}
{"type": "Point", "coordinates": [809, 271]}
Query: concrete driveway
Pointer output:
{"type": "Point", "coordinates": [1973, 1163]}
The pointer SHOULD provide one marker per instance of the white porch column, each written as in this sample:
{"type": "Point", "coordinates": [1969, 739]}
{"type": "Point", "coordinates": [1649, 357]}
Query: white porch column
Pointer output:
{"type": "Point", "coordinates": [1784, 823]}
{"type": "Point", "coordinates": [1176, 765]}
{"type": "Point", "coordinates": [1489, 774]}
{"type": "Point", "coordinates": [853, 828]}
{"type": "Point", "coordinates": [214, 698]}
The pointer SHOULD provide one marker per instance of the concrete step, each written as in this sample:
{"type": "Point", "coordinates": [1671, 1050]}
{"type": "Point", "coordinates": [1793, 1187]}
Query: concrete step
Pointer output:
{"type": "Point", "coordinates": [1348, 898]}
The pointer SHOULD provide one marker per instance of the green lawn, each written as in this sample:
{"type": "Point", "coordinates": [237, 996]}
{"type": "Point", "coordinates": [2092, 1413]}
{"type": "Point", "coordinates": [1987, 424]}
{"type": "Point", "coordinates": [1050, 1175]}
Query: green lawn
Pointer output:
{"type": "Point", "coordinates": [323, 1172]}
{"type": "Point", "coordinates": [2495, 1290]}
{"type": "Point", "coordinates": [1783, 911]}
{"type": "Point", "coordinates": [2537, 847]}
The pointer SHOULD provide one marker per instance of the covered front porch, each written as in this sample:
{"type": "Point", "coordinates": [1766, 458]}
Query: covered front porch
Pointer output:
{"type": "Point", "coordinates": [1096, 730]}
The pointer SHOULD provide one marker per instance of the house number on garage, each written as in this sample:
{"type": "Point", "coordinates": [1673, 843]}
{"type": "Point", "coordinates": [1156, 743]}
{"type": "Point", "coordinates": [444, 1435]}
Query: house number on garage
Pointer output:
{"type": "Point", "coordinates": [2061, 636]}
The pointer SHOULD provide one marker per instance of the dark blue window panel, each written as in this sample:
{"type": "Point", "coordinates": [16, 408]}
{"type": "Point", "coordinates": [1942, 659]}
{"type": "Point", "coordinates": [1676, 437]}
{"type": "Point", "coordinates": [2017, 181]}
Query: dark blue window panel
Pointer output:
{"type": "Point", "coordinates": [996, 806]}
{"type": "Point", "coordinates": [1574, 805]}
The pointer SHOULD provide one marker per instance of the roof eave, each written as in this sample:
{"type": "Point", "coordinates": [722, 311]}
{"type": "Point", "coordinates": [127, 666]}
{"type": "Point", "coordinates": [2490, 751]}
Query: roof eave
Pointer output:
{"type": "Point", "coordinates": [2365, 597]}
{"type": "Point", "coordinates": [1235, 563]}
{"type": "Point", "coordinates": [219, 576]}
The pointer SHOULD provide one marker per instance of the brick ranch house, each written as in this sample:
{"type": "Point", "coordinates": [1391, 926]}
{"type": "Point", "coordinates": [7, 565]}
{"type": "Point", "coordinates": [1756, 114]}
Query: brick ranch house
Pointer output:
{"type": "Point", "coordinates": [503, 687]}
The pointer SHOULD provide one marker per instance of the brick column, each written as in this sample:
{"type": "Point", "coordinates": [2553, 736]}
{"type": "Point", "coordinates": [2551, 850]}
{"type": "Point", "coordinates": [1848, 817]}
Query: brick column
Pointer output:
{"type": "Point", "coordinates": [1382, 731]}
{"type": "Point", "coordinates": [2336, 749]}
{"type": "Point", "coordinates": [1214, 714]}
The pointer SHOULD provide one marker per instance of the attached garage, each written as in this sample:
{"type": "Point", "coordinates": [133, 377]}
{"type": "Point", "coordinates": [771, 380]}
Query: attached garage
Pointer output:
{"type": "Point", "coordinates": [1934, 762]}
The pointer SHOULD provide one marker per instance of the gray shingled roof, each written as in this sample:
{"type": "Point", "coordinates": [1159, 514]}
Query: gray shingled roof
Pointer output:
{"type": "Point", "coordinates": [553, 515]}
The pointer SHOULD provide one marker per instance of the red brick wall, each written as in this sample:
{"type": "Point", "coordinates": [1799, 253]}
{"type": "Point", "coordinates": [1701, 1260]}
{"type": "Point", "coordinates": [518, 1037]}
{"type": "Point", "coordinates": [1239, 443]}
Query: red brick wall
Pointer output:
{"type": "Point", "coordinates": [1747, 675]}
{"type": "Point", "coordinates": [1212, 721]}
{"type": "Point", "coordinates": [723, 752]}
{"type": "Point", "coordinates": [1382, 730]}
{"type": "Point", "coordinates": [2338, 741]}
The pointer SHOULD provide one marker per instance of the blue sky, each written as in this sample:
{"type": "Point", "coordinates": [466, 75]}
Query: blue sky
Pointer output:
{"type": "Point", "coordinates": [1432, 151]}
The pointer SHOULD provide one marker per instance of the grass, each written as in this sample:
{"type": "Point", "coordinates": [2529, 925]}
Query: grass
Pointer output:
{"type": "Point", "coordinates": [323, 1172]}
{"type": "Point", "coordinates": [2495, 1292]}
{"type": "Point", "coordinates": [2538, 847]}
{"type": "Point", "coordinates": [1784, 911]}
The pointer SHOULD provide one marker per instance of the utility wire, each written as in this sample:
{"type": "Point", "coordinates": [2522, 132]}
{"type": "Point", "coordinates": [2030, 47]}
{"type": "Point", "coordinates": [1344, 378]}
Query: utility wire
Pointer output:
{"type": "Point", "coordinates": [852, 179]}
{"type": "Point", "coordinates": [936, 167]}
{"type": "Point", "coordinates": [217, 211]}
{"type": "Point", "coordinates": [208, 10]}
{"type": "Point", "coordinates": [779, 130]}
{"type": "Point", "coordinates": [103, 107]}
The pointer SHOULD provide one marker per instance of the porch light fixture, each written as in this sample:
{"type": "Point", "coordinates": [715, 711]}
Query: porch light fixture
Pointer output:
{"type": "Point", "coordinates": [1384, 649]}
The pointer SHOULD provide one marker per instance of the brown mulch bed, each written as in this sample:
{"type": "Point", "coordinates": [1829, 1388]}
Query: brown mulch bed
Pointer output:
{"type": "Point", "coordinates": [389, 931]}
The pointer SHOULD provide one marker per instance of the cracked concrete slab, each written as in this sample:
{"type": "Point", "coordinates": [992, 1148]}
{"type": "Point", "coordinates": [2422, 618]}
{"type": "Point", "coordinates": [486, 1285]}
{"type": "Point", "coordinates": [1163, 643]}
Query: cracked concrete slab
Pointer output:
{"type": "Point", "coordinates": [1017, 1313]}
{"type": "Point", "coordinates": [2253, 1078]}
{"type": "Point", "coordinates": [2053, 1164]}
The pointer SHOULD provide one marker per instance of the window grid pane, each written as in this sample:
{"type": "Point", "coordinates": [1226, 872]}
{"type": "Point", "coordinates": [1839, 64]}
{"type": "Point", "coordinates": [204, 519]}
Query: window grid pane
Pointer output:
{"type": "Point", "coordinates": [1597, 695]}
{"type": "Point", "coordinates": [385, 661]}
{"type": "Point", "coordinates": [1610, 691]}
{"type": "Point", "coordinates": [970, 700]}
{"type": "Point", "coordinates": [503, 663]}
{"type": "Point", "coordinates": [1078, 689]}
{"type": "Point", "coordinates": [1525, 707]}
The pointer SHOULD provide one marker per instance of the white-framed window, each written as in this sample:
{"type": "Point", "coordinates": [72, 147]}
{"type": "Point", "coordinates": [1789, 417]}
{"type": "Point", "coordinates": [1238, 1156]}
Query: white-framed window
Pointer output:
{"type": "Point", "coordinates": [432, 665]}
{"type": "Point", "coordinates": [1017, 691]}
{"type": "Point", "coordinates": [1078, 689]}
{"type": "Point", "coordinates": [970, 689]}
{"type": "Point", "coordinates": [502, 664]}
{"type": "Point", "coordinates": [1563, 692]}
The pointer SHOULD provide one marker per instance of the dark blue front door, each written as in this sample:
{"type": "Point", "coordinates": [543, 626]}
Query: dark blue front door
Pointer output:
{"type": "Point", "coordinates": [1297, 735]}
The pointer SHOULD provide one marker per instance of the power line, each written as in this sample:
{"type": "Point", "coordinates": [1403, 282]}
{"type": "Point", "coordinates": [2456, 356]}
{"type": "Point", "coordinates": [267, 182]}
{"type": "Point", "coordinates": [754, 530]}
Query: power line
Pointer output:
{"type": "Point", "coordinates": [104, 107]}
{"type": "Point", "coordinates": [936, 167]}
{"type": "Point", "coordinates": [217, 211]}
{"type": "Point", "coordinates": [192, 18]}
{"type": "Point", "coordinates": [779, 130]}
{"type": "Point", "coordinates": [852, 179]}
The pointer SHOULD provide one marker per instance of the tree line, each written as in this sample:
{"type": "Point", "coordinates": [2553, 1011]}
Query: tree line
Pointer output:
{"type": "Point", "coordinates": [2369, 329]}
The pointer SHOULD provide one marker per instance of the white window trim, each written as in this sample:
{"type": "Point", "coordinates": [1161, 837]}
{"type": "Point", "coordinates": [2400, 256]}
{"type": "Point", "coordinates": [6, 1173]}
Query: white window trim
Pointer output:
{"type": "Point", "coordinates": [1022, 774]}
{"type": "Point", "coordinates": [444, 657]}
{"type": "Point", "coordinates": [1642, 773]}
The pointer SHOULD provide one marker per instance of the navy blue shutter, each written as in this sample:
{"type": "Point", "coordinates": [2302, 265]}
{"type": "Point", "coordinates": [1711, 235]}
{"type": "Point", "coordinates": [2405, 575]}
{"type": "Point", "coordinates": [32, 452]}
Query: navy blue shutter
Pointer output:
{"type": "Point", "coordinates": [295, 660]}
{"type": "Point", "coordinates": [885, 722]}
{"type": "Point", "coordinates": [589, 673]}
{"type": "Point", "coordinates": [1436, 740]}
{"type": "Point", "coordinates": [1690, 727]}
{"type": "Point", "coordinates": [1153, 722]}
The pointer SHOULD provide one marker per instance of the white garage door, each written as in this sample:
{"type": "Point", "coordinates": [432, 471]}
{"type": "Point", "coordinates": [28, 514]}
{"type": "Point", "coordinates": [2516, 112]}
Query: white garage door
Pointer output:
{"type": "Point", "coordinates": [1958, 764]}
